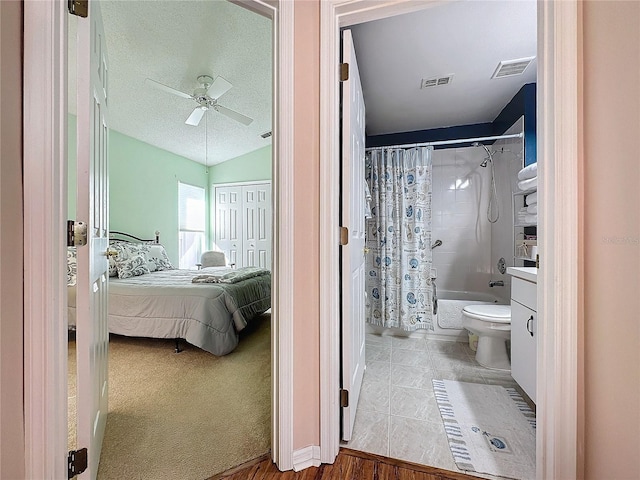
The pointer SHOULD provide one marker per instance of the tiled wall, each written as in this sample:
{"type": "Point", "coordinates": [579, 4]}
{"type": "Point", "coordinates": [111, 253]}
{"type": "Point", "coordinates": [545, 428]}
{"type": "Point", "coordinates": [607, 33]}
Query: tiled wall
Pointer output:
{"type": "Point", "coordinates": [508, 161]}
{"type": "Point", "coordinates": [471, 246]}
{"type": "Point", "coordinates": [459, 206]}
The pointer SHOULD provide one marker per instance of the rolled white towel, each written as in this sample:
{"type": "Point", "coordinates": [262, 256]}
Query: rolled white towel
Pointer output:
{"type": "Point", "coordinates": [532, 198]}
{"type": "Point", "coordinates": [528, 184]}
{"type": "Point", "coordinates": [531, 219]}
{"type": "Point", "coordinates": [529, 171]}
{"type": "Point", "coordinates": [533, 208]}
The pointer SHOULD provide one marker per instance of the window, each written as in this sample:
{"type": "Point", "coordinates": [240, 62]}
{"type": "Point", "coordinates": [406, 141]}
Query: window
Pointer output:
{"type": "Point", "coordinates": [191, 218]}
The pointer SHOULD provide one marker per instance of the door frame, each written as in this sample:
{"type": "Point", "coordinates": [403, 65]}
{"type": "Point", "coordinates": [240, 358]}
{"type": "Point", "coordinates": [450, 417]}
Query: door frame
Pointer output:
{"type": "Point", "coordinates": [45, 212]}
{"type": "Point", "coordinates": [560, 413]}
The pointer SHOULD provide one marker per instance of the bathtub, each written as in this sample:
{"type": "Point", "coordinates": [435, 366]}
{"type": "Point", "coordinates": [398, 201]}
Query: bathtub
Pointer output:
{"type": "Point", "coordinates": [447, 323]}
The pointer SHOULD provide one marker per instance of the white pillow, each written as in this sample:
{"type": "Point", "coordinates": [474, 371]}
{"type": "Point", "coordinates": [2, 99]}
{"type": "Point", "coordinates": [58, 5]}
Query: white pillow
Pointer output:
{"type": "Point", "coordinates": [157, 258]}
{"type": "Point", "coordinates": [131, 260]}
{"type": "Point", "coordinates": [134, 265]}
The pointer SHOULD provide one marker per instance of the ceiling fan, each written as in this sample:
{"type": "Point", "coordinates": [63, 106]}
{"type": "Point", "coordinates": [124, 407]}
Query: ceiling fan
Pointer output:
{"type": "Point", "coordinates": [206, 96]}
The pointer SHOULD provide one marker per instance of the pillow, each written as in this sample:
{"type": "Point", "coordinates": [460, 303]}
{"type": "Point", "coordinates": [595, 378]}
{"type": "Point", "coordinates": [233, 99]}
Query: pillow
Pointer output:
{"type": "Point", "coordinates": [157, 258]}
{"type": "Point", "coordinates": [72, 265]}
{"type": "Point", "coordinates": [113, 270]}
{"type": "Point", "coordinates": [134, 265]}
{"type": "Point", "coordinates": [131, 260]}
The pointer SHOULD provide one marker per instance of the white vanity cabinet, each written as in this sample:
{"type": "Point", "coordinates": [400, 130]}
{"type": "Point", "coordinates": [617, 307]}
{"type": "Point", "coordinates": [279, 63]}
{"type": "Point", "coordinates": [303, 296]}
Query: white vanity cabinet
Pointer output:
{"type": "Point", "coordinates": [524, 326]}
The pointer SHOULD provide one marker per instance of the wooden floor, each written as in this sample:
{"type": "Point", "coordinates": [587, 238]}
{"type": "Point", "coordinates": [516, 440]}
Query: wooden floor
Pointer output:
{"type": "Point", "coordinates": [350, 465]}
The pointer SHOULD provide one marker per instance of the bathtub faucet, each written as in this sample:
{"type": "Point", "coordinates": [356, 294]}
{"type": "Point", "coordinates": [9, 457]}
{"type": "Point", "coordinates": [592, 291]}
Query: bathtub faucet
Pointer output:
{"type": "Point", "coordinates": [496, 283]}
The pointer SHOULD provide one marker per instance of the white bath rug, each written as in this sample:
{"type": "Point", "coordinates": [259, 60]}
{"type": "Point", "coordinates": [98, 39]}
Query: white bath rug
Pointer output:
{"type": "Point", "coordinates": [490, 428]}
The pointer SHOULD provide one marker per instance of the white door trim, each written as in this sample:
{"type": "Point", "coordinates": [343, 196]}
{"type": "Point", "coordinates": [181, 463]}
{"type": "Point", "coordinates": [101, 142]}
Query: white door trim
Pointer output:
{"type": "Point", "coordinates": [560, 415]}
{"type": "Point", "coordinates": [45, 211]}
{"type": "Point", "coordinates": [560, 432]}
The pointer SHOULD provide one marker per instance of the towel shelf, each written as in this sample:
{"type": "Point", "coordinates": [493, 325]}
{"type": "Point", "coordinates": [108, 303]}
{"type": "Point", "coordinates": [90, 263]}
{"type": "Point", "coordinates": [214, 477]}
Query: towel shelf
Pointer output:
{"type": "Point", "coordinates": [520, 229]}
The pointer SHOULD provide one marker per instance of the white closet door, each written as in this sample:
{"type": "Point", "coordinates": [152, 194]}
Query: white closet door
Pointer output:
{"type": "Point", "coordinates": [228, 223]}
{"type": "Point", "coordinates": [256, 210]}
{"type": "Point", "coordinates": [243, 223]}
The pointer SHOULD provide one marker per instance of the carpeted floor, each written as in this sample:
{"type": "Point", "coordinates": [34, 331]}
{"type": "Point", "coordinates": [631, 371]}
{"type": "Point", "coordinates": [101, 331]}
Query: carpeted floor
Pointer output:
{"type": "Point", "coordinates": [187, 415]}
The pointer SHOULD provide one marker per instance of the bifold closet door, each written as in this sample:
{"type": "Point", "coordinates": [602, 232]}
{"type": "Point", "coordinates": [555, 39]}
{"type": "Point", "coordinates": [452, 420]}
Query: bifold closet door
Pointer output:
{"type": "Point", "coordinates": [228, 223]}
{"type": "Point", "coordinates": [256, 231]}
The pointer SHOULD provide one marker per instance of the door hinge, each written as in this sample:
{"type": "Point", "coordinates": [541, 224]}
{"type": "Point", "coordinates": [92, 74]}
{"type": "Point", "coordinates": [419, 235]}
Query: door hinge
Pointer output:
{"type": "Point", "coordinates": [77, 462]}
{"type": "Point", "coordinates": [344, 72]}
{"type": "Point", "coordinates": [344, 236]}
{"type": "Point", "coordinates": [79, 8]}
{"type": "Point", "coordinates": [344, 397]}
{"type": "Point", "coordinates": [76, 233]}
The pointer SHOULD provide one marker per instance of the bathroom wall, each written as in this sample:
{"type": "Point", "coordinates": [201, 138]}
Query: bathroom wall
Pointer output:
{"type": "Point", "coordinates": [459, 205]}
{"type": "Point", "coordinates": [508, 161]}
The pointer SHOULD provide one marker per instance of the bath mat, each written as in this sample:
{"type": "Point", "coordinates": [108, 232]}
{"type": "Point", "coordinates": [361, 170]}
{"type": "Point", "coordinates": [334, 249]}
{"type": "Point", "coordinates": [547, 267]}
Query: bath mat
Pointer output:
{"type": "Point", "coordinates": [490, 428]}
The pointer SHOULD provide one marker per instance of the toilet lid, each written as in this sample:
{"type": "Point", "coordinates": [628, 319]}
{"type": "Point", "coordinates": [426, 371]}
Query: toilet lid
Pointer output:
{"type": "Point", "coordinates": [492, 312]}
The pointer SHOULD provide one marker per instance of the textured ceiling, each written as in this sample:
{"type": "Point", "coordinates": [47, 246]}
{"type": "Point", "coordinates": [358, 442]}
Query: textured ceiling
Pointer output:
{"type": "Point", "coordinates": [464, 38]}
{"type": "Point", "coordinates": [173, 42]}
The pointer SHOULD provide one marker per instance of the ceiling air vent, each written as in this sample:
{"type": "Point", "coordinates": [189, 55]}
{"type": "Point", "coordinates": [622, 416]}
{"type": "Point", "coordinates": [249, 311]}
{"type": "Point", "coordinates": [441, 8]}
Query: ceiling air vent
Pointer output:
{"type": "Point", "coordinates": [509, 68]}
{"type": "Point", "coordinates": [266, 134]}
{"type": "Point", "coordinates": [436, 81]}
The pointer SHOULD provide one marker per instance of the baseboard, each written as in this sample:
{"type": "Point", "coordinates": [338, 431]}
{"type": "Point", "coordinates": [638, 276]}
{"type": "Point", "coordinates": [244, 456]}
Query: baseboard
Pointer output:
{"type": "Point", "coordinates": [306, 457]}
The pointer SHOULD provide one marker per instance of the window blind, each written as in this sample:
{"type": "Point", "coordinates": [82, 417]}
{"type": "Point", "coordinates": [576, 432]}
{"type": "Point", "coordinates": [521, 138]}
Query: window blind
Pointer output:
{"type": "Point", "coordinates": [191, 201]}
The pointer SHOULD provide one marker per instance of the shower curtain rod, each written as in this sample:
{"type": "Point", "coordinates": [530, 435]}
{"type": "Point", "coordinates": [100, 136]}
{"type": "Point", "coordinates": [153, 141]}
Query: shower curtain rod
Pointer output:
{"type": "Point", "coordinates": [448, 142]}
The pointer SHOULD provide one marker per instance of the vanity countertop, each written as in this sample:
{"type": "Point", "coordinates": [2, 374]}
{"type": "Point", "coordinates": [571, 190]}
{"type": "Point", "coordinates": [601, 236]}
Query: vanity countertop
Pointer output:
{"type": "Point", "coordinates": [525, 273]}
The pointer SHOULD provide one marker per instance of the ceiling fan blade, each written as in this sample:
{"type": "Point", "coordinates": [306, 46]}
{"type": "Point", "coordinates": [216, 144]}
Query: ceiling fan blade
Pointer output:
{"type": "Point", "coordinates": [161, 86]}
{"type": "Point", "coordinates": [218, 88]}
{"type": "Point", "coordinates": [233, 114]}
{"type": "Point", "coordinates": [195, 117]}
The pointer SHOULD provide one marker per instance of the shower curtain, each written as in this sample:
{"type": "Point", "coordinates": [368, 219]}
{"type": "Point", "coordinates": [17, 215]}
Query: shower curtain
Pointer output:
{"type": "Point", "coordinates": [398, 238]}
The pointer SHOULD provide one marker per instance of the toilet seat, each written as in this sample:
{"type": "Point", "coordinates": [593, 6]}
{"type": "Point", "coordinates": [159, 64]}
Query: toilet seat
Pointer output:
{"type": "Point", "coordinates": [489, 313]}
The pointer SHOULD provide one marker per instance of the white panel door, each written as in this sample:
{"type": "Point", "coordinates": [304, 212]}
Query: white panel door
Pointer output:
{"type": "Point", "coordinates": [249, 223]}
{"type": "Point", "coordinates": [353, 259]}
{"type": "Point", "coordinates": [92, 336]}
{"type": "Point", "coordinates": [228, 223]}
{"type": "Point", "coordinates": [257, 225]}
{"type": "Point", "coordinates": [263, 225]}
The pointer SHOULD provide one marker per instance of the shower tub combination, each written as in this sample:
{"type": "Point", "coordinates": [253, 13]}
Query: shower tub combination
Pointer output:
{"type": "Point", "coordinates": [447, 321]}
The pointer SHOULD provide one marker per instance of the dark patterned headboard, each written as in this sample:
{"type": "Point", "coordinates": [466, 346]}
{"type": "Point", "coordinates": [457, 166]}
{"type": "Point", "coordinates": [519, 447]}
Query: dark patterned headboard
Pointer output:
{"type": "Point", "coordinates": [127, 237]}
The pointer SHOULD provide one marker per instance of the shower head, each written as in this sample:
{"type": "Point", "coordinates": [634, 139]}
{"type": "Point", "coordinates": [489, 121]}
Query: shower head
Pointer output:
{"type": "Point", "coordinates": [489, 158]}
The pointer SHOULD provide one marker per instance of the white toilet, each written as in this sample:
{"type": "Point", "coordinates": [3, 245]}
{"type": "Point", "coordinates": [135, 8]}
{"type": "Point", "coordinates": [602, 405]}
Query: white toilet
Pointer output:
{"type": "Point", "coordinates": [492, 324]}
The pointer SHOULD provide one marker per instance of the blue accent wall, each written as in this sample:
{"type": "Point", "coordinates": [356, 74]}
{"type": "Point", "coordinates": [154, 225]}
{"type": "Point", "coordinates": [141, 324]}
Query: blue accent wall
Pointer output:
{"type": "Point", "coordinates": [522, 103]}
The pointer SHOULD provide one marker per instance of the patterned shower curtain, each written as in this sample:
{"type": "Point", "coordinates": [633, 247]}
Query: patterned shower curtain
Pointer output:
{"type": "Point", "coordinates": [398, 238]}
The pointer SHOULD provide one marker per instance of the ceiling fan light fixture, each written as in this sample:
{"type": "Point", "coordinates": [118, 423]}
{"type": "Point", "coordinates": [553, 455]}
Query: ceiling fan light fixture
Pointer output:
{"type": "Point", "coordinates": [206, 97]}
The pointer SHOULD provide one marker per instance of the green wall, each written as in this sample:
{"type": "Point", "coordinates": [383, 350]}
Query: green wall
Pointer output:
{"type": "Point", "coordinates": [252, 166]}
{"type": "Point", "coordinates": [143, 189]}
{"type": "Point", "coordinates": [143, 184]}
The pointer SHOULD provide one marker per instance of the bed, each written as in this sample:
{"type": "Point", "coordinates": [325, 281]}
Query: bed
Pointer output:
{"type": "Point", "coordinates": [207, 308]}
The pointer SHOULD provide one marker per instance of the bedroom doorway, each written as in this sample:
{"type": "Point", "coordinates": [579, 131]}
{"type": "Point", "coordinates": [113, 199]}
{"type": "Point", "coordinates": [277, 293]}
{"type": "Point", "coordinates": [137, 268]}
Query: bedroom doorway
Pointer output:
{"type": "Point", "coordinates": [250, 429]}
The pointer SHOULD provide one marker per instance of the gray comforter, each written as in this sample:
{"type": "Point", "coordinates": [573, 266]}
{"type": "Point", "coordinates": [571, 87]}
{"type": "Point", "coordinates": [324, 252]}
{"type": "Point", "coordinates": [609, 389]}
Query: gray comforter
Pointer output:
{"type": "Point", "coordinates": [167, 304]}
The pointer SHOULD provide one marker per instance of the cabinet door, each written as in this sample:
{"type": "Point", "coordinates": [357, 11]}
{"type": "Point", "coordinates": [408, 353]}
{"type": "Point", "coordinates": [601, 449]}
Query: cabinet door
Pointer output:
{"type": "Point", "coordinates": [523, 347]}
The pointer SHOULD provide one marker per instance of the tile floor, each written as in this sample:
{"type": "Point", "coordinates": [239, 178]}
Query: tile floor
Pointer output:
{"type": "Point", "coordinates": [397, 413]}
